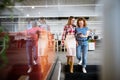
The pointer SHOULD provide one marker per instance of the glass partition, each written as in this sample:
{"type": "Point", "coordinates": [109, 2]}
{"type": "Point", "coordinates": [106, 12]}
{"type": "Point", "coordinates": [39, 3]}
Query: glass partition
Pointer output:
{"type": "Point", "coordinates": [17, 57]}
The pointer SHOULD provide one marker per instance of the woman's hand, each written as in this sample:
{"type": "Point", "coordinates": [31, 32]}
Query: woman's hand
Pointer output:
{"type": "Point", "coordinates": [81, 35]}
{"type": "Point", "coordinates": [88, 32]}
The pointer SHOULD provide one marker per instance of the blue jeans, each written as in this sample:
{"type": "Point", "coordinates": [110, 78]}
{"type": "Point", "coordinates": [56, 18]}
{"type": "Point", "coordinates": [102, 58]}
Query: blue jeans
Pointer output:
{"type": "Point", "coordinates": [82, 48]}
{"type": "Point", "coordinates": [31, 51]}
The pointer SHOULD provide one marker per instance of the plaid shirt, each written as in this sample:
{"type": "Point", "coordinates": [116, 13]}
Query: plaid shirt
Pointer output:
{"type": "Point", "coordinates": [68, 29]}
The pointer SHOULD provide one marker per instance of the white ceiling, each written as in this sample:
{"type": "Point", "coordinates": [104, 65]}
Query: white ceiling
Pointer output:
{"type": "Point", "coordinates": [55, 2]}
{"type": "Point", "coordinates": [55, 8]}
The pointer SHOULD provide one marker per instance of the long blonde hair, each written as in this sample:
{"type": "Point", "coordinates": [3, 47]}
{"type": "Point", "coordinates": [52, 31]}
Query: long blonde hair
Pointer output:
{"type": "Point", "coordinates": [69, 20]}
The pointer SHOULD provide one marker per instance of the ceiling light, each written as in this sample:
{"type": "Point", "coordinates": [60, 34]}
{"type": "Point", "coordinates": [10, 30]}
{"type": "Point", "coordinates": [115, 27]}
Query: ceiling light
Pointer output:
{"type": "Point", "coordinates": [46, 6]}
{"type": "Point", "coordinates": [33, 7]}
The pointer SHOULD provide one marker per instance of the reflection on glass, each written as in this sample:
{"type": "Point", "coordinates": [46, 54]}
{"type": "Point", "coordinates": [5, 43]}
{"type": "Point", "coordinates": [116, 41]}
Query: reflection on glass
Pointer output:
{"type": "Point", "coordinates": [46, 52]}
{"type": "Point", "coordinates": [16, 54]}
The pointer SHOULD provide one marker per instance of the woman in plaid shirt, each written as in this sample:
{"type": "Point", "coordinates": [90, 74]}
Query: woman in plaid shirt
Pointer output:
{"type": "Point", "coordinates": [68, 38]}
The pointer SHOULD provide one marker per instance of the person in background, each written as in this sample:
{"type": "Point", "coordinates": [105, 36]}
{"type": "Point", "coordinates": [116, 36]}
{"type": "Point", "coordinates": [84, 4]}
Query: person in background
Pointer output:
{"type": "Point", "coordinates": [29, 25]}
{"type": "Point", "coordinates": [32, 36]}
{"type": "Point", "coordinates": [82, 33]}
{"type": "Point", "coordinates": [68, 39]}
{"type": "Point", "coordinates": [43, 24]}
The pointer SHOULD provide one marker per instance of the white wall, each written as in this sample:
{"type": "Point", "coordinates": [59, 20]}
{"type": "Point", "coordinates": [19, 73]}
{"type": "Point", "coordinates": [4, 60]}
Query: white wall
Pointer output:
{"type": "Point", "coordinates": [58, 25]}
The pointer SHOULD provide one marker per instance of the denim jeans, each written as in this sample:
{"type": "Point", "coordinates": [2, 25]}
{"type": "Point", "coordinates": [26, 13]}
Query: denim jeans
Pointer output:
{"type": "Point", "coordinates": [81, 53]}
{"type": "Point", "coordinates": [31, 51]}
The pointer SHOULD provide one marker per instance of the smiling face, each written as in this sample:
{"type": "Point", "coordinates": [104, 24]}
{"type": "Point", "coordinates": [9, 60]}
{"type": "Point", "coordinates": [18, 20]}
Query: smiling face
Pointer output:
{"type": "Point", "coordinates": [72, 21]}
{"type": "Point", "coordinates": [81, 24]}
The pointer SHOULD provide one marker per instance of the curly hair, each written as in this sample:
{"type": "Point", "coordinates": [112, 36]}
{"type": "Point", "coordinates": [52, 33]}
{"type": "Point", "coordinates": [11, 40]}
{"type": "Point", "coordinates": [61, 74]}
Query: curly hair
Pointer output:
{"type": "Point", "coordinates": [81, 19]}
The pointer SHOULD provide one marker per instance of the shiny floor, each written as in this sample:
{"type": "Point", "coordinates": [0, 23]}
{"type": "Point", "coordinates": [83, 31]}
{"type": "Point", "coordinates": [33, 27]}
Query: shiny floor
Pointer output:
{"type": "Point", "coordinates": [17, 63]}
{"type": "Point", "coordinates": [16, 68]}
